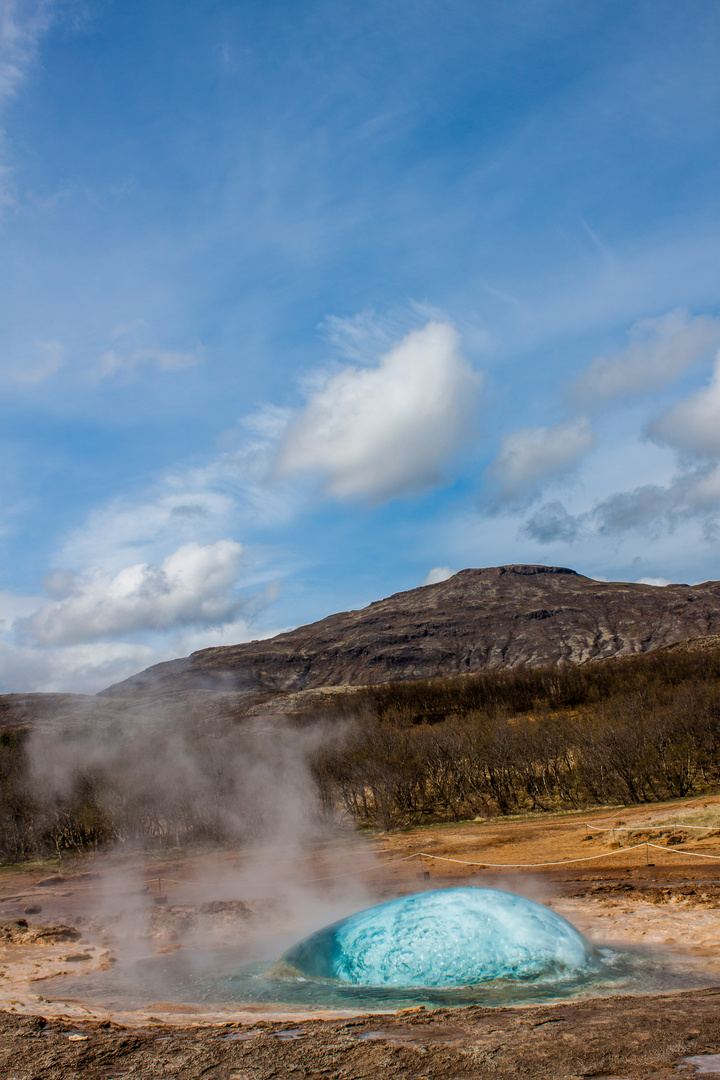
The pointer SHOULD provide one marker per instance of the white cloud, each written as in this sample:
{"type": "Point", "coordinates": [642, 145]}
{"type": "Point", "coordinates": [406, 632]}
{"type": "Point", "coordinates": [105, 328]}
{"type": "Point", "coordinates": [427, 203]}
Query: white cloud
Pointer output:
{"type": "Point", "coordinates": [658, 582]}
{"type": "Point", "coordinates": [76, 669]}
{"type": "Point", "coordinates": [532, 455]}
{"type": "Point", "coordinates": [86, 667]}
{"type": "Point", "coordinates": [693, 424]}
{"type": "Point", "coordinates": [190, 588]}
{"type": "Point", "coordinates": [438, 574]}
{"type": "Point", "coordinates": [387, 431]}
{"type": "Point", "coordinates": [363, 337]}
{"type": "Point", "coordinates": [660, 350]}
{"type": "Point", "coordinates": [124, 531]}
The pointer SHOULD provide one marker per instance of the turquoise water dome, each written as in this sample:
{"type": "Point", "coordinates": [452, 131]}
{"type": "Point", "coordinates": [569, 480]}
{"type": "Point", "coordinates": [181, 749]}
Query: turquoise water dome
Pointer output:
{"type": "Point", "coordinates": [443, 938]}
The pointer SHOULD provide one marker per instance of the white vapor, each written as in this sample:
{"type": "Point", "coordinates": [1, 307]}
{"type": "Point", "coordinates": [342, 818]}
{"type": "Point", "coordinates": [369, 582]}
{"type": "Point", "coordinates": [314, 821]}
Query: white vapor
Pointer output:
{"type": "Point", "coordinates": [660, 350]}
{"type": "Point", "coordinates": [386, 431]}
{"type": "Point", "coordinates": [532, 455]}
{"type": "Point", "coordinates": [190, 588]}
{"type": "Point", "coordinates": [693, 425]}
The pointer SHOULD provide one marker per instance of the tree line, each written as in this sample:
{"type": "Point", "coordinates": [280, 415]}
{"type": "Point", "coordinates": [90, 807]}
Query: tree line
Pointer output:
{"type": "Point", "coordinates": [640, 729]}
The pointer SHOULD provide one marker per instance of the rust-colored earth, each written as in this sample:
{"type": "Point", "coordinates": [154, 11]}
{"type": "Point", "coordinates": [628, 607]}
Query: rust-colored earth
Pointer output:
{"type": "Point", "coordinates": [97, 912]}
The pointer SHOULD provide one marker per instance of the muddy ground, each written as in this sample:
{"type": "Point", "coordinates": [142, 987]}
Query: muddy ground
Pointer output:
{"type": "Point", "coordinates": [93, 918]}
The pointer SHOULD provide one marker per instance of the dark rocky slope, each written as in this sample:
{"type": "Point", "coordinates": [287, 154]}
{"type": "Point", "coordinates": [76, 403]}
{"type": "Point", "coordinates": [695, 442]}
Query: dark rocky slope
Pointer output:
{"type": "Point", "coordinates": [477, 620]}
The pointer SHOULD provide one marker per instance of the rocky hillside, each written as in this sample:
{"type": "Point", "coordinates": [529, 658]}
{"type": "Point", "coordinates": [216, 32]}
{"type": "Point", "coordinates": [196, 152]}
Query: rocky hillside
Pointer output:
{"type": "Point", "coordinates": [478, 620]}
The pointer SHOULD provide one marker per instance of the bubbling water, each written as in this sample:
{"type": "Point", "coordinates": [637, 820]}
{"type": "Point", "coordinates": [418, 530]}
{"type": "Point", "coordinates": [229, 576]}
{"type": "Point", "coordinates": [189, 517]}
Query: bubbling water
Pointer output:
{"type": "Point", "coordinates": [443, 939]}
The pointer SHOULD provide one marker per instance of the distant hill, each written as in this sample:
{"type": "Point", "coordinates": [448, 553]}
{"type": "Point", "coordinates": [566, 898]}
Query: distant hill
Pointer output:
{"type": "Point", "coordinates": [478, 620]}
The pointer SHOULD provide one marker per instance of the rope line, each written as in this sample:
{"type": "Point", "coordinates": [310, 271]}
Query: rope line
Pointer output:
{"type": "Point", "coordinates": [525, 866]}
{"type": "Point", "coordinates": [496, 866]}
{"type": "Point", "coordinates": [647, 828]}
{"type": "Point", "coordinates": [678, 851]}
{"type": "Point", "coordinates": [564, 862]}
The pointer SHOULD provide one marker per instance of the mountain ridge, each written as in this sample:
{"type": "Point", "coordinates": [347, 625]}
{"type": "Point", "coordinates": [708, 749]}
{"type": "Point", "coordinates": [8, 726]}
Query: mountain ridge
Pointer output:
{"type": "Point", "coordinates": [478, 620]}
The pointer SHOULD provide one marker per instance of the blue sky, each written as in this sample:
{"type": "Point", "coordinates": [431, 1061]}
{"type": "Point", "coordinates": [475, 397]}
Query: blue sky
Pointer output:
{"type": "Point", "coordinates": [305, 304]}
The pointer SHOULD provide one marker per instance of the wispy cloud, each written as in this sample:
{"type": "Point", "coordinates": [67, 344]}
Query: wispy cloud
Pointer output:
{"type": "Point", "coordinates": [532, 456]}
{"type": "Point", "coordinates": [660, 350]}
{"type": "Point", "coordinates": [48, 360]}
{"type": "Point", "coordinates": [114, 363]}
{"type": "Point", "coordinates": [22, 24]}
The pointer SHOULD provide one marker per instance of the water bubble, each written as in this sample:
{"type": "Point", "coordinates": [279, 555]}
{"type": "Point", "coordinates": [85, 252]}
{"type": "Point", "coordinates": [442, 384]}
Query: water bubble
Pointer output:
{"type": "Point", "coordinates": [444, 938]}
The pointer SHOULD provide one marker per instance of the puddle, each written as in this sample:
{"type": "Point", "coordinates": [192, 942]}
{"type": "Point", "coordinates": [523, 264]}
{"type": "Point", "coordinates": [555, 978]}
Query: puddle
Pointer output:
{"type": "Point", "coordinates": [421, 1037]}
{"type": "Point", "coordinates": [705, 1064]}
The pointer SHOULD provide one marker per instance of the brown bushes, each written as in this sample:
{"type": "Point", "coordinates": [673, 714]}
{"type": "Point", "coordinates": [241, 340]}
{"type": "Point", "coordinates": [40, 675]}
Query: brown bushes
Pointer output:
{"type": "Point", "coordinates": [636, 730]}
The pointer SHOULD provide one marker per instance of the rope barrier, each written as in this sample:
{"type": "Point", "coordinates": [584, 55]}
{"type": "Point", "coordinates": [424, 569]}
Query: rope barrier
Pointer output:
{"type": "Point", "coordinates": [491, 865]}
{"type": "Point", "coordinates": [564, 862]}
{"type": "Point", "coordinates": [526, 866]}
{"type": "Point", "coordinates": [648, 828]}
{"type": "Point", "coordinates": [679, 851]}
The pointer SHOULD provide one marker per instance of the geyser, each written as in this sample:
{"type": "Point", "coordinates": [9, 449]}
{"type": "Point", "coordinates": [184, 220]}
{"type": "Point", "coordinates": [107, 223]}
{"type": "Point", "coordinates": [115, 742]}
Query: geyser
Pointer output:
{"type": "Point", "coordinates": [444, 938]}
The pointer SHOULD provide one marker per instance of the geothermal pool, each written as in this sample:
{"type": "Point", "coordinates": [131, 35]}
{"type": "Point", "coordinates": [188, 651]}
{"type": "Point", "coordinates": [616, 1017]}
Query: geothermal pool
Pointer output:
{"type": "Point", "coordinates": [448, 947]}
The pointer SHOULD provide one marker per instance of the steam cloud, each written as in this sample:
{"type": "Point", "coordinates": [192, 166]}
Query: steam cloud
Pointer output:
{"type": "Point", "coordinates": [240, 798]}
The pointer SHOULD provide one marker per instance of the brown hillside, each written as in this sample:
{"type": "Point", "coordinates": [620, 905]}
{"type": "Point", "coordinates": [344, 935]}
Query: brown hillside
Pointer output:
{"type": "Point", "coordinates": [478, 620]}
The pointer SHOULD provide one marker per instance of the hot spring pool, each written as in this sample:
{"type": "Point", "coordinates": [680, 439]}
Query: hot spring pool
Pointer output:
{"type": "Point", "coordinates": [448, 947]}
